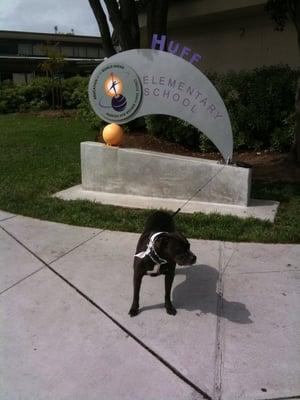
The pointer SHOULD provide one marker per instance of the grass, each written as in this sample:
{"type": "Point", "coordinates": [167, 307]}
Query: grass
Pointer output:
{"type": "Point", "coordinates": [40, 156]}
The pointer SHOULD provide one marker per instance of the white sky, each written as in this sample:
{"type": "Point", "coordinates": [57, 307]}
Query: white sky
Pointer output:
{"type": "Point", "coordinates": [43, 15]}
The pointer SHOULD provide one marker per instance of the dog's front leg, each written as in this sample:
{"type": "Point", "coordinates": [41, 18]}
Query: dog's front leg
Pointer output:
{"type": "Point", "coordinates": [169, 278]}
{"type": "Point", "coordinates": [137, 281]}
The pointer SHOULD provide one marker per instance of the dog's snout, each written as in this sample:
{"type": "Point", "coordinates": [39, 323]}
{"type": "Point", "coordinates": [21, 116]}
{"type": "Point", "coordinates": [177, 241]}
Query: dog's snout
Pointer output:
{"type": "Point", "coordinates": [187, 258]}
{"type": "Point", "coordinates": [193, 259]}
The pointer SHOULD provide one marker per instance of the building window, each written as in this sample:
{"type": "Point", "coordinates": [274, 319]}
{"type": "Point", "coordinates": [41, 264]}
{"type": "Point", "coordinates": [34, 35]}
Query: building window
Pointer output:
{"type": "Point", "coordinates": [92, 52]}
{"type": "Point", "coordinates": [39, 50]}
{"type": "Point", "coordinates": [25, 49]}
{"type": "Point", "coordinates": [67, 51]}
{"type": "Point", "coordinates": [8, 48]}
{"type": "Point", "coordinates": [19, 78]}
{"type": "Point", "coordinates": [80, 52]}
{"type": "Point", "coordinates": [6, 77]}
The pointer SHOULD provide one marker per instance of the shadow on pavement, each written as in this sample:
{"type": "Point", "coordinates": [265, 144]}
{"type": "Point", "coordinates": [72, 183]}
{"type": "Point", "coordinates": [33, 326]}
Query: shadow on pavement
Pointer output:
{"type": "Point", "coordinates": [198, 293]}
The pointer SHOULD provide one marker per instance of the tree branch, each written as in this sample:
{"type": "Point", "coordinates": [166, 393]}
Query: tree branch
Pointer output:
{"type": "Point", "coordinates": [120, 29]}
{"type": "Point", "coordinates": [103, 27]}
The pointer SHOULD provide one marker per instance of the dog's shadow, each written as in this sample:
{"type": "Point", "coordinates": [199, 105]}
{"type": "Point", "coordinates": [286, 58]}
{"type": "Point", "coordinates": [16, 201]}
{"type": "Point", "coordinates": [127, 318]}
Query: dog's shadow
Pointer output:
{"type": "Point", "coordinates": [198, 293]}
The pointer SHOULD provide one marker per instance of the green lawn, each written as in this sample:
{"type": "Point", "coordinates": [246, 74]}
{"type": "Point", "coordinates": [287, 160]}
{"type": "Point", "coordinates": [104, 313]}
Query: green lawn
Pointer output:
{"type": "Point", "coordinates": [40, 156]}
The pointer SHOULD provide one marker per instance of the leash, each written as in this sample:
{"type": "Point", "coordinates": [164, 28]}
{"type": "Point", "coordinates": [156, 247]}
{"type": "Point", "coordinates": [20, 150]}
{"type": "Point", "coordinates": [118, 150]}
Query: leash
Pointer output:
{"type": "Point", "coordinates": [197, 191]}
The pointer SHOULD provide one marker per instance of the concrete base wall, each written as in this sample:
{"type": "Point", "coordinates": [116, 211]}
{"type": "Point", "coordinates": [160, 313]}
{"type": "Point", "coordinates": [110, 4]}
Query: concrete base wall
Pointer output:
{"type": "Point", "coordinates": [147, 173]}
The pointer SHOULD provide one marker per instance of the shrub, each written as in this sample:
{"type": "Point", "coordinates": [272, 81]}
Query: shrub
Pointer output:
{"type": "Point", "coordinates": [86, 113]}
{"type": "Point", "coordinates": [24, 97]}
{"type": "Point", "coordinates": [38, 91]}
{"type": "Point", "coordinates": [178, 131]}
{"type": "Point", "coordinates": [260, 104]}
{"type": "Point", "coordinates": [282, 138]}
{"type": "Point", "coordinates": [11, 99]}
{"type": "Point", "coordinates": [73, 90]}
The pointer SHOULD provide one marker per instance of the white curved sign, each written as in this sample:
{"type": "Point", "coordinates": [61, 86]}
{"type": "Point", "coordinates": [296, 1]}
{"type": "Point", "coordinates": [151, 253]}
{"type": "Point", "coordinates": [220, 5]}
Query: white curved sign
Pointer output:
{"type": "Point", "coordinates": [136, 83]}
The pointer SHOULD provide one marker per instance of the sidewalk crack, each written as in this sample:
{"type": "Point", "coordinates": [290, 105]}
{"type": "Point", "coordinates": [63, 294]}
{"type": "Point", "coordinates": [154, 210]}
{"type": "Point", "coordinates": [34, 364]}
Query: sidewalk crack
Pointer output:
{"type": "Point", "coordinates": [283, 398]}
{"type": "Point", "coordinates": [76, 247]}
{"type": "Point", "coordinates": [21, 280]}
{"type": "Point", "coordinates": [6, 219]}
{"type": "Point", "coordinates": [220, 328]}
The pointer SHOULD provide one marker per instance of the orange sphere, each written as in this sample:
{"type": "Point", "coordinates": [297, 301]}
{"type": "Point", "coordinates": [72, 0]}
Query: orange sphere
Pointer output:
{"type": "Point", "coordinates": [113, 134]}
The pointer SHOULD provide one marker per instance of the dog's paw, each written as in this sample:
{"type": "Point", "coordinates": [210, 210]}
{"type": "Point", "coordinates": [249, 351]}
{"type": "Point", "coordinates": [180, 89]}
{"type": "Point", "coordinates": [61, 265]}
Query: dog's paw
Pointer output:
{"type": "Point", "coordinates": [171, 310]}
{"type": "Point", "coordinates": [133, 312]}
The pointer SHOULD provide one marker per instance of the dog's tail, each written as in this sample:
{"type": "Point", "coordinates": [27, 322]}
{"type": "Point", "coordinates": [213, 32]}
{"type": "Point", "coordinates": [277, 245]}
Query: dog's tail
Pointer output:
{"type": "Point", "coordinates": [160, 221]}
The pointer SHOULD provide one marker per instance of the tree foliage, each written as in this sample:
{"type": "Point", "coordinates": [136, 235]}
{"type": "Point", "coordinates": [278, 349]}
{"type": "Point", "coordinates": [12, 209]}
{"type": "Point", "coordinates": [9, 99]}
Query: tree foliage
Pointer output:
{"type": "Point", "coordinates": [281, 11]}
{"type": "Point", "coordinates": [53, 66]}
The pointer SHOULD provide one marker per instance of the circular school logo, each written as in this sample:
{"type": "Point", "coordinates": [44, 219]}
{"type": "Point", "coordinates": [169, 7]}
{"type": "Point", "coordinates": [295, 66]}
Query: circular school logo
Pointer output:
{"type": "Point", "coordinates": [115, 92]}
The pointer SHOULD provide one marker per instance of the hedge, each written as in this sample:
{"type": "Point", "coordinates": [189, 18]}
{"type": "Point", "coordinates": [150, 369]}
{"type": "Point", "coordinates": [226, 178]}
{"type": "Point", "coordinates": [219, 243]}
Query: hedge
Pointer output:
{"type": "Point", "coordinates": [260, 103]}
{"type": "Point", "coordinates": [261, 107]}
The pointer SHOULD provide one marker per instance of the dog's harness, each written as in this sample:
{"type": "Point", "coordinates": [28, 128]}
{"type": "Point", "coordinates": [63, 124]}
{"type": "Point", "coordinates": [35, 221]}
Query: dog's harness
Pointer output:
{"type": "Point", "coordinates": [152, 253]}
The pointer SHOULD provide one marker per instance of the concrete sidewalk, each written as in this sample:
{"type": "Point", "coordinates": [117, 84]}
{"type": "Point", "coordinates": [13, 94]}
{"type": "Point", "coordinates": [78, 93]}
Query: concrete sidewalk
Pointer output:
{"type": "Point", "coordinates": [65, 331]}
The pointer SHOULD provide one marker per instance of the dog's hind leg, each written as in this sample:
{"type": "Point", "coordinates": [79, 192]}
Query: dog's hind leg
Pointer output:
{"type": "Point", "coordinates": [169, 278]}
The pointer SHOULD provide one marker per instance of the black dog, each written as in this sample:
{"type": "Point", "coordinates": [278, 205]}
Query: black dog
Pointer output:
{"type": "Point", "coordinates": [159, 249]}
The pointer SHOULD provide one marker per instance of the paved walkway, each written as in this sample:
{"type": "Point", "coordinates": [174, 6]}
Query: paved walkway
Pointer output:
{"type": "Point", "coordinates": [65, 332]}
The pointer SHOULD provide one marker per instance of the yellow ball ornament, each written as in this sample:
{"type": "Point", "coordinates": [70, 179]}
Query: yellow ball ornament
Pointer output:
{"type": "Point", "coordinates": [113, 134]}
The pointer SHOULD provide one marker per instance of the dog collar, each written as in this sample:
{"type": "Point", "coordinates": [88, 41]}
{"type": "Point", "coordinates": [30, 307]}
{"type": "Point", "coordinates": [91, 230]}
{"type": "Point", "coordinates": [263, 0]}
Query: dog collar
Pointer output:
{"type": "Point", "coordinates": [151, 252]}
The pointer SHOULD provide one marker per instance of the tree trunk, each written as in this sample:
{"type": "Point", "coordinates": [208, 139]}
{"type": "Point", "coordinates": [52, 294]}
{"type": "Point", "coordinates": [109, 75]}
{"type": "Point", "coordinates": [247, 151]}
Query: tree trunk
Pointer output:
{"type": "Point", "coordinates": [103, 27]}
{"type": "Point", "coordinates": [131, 22]}
{"type": "Point", "coordinates": [157, 17]}
{"type": "Point", "coordinates": [124, 19]}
